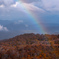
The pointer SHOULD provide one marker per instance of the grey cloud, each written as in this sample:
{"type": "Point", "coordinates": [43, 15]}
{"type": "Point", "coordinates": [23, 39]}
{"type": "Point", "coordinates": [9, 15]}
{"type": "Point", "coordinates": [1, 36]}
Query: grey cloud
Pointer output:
{"type": "Point", "coordinates": [7, 2]}
{"type": "Point", "coordinates": [29, 1]}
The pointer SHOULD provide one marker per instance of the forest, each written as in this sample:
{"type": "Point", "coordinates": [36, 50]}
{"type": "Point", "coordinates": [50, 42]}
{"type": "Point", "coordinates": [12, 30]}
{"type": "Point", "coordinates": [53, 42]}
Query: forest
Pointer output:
{"type": "Point", "coordinates": [30, 46]}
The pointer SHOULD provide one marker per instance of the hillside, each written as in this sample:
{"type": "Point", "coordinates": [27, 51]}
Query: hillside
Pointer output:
{"type": "Point", "coordinates": [30, 46]}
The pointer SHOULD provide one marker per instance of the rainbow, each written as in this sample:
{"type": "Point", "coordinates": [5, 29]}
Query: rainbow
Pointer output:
{"type": "Point", "coordinates": [33, 17]}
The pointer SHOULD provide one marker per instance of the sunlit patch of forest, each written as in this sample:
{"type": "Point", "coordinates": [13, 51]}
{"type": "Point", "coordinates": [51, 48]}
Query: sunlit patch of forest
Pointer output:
{"type": "Point", "coordinates": [30, 46]}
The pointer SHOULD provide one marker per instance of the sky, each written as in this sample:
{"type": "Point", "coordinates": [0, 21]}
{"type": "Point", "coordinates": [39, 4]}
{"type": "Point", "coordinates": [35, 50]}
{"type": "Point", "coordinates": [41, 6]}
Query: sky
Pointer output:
{"type": "Point", "coordinates": [28, 16]}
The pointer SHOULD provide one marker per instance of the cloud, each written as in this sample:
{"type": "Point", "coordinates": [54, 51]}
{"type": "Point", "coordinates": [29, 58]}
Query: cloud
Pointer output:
{"type": "Point", "coordinates": [29, 1]}
{"type": "Point", "coordinates": [2, 28]}
{"type": "Point", "coordinates": [17, 10]}
{"type": "Point", "coordinates": [19, 21]}
{"type": "Point", "coordinates": [32, 7]}
{"type": "Point", "coordinates": [7, 2]}
{"type": "Point", "coordinates": [50, 5]}
{"type": "Point", "coordinates": [25, 6]}
{"type": "Point", "coordinates": [14, 5]}
{"type": "Point", "coordinates": [26, 25]}
{"type": "Point", "coordinates": [47, 5]}
{"type": "Point", "coordinates": [1, 6]}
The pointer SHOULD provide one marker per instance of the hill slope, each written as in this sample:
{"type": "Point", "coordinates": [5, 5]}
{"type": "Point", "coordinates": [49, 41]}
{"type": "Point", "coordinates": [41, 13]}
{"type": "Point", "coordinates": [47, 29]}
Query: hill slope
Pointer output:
{"type": "Point", "coordinates": [30, 46]}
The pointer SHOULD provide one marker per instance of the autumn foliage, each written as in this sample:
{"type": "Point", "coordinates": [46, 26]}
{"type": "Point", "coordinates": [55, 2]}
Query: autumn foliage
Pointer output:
{"type": "Point", "coordinates": [30, 46]}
